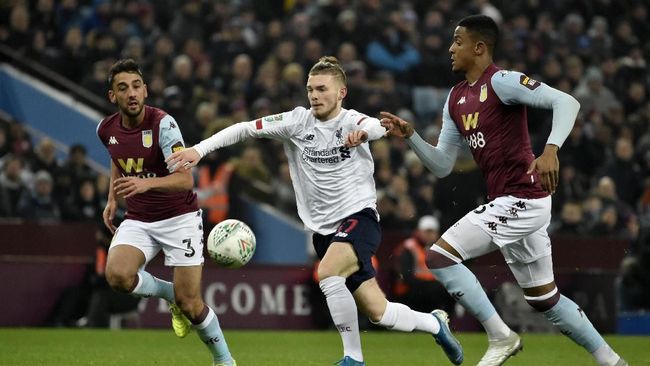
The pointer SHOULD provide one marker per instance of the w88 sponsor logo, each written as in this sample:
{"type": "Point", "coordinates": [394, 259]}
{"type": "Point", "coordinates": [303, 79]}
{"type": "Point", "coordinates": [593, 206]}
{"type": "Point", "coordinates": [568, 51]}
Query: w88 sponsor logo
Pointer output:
{"type": "Point", "coordinates": [475, 140]}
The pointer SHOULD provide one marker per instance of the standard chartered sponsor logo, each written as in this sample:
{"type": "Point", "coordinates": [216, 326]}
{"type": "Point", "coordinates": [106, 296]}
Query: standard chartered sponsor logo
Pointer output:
{"type": "Point", "coordinates": [325, 156]}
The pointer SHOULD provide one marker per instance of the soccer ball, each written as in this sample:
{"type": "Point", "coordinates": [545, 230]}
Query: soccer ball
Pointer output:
{"type": "Point", "coordinates": [231, 243]}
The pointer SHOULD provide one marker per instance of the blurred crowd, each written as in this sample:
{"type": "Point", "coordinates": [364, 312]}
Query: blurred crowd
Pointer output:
{"type": "Point", "coordinates": [211, 63]}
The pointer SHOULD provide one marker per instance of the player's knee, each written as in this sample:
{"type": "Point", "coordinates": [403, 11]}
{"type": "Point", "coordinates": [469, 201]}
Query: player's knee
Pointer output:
{"type": "Point", "coordinates": [436, 260]}
{"type": "Point", "coordinates": [325, 270]}
{"type": "Point", "coordinates": [374, 313]}
{"type": "Point", "coordinates": [120, 279]}
{"type": "Point", "coordinates": [190, 304]}
{"type": "Point", "coordinates": [543, 305]}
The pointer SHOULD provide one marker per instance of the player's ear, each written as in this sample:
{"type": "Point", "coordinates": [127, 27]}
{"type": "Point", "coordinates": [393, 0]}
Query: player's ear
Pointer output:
{"type": "Point", "coordinates": [146, 91]}
{"type": "Point", "coordinates": [480, 48]}
{"type": "Point", "coordinates": [343, 92]}
{"type": "Point", "coordinates": [111, 97]}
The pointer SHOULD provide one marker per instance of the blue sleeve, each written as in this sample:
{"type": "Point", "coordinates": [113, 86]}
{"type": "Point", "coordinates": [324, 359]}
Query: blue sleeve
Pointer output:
{"type": "Point", "coordinates": [170, 138]}
{"type": "Point", "coordinates": [513, 87]}
{"type": "Point", "coordinates": [439, 159]}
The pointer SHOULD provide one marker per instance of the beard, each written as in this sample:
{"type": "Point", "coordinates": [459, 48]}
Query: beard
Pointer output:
{"type": "Point", "coordinates": [131, 113]}
{"type": "Point", "coordinates": [323, 113]}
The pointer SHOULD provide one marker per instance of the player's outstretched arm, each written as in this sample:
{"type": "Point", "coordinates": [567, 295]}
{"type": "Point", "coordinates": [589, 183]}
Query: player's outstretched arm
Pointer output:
{"type": "Point", "coordinates": [183, 160]}
{"type": "Point", "coordinates": [396, 126]}
{"type": "Point", "coordinates": [438, 159]}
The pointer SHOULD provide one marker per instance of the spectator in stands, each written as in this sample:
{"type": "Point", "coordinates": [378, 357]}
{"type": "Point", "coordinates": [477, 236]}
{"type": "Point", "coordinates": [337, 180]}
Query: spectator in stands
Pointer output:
{"type": "Point", "coordinates": [292, 86]}
{"type": "Point", "coordinates": [18, 34]}
{"type": "Point", "coordinates": [571, 220]}
{"type": "Point", "coordinates": [285, 197]}
{"type": "Point", "coordinates": [573, 186]}
{"type": "Point", "coordinates": [188, 22]}
{"type": "Point", "coordinates": [4, 140]}
{"type": "Point", "coordinates": [73, 59]}
{"type": "Point", "coordinates": [45, 158]}
{"type": "Point", "coordinates": [159, 61]}
{"type": "Point", "coordinates": [38, 204]}
{"type": "Point", "coordinates": [599, 39]}
{"type": "Point", "coordinates": [414, 284]}
{"type": "Point", "coordinates": [21, 142]}
{"type": "Point", "coordinates": [251, 177]}
{"type": "Point", "coordinates": [74, 171]}
{"type": "Point", "coordinates": [625, 172]}
{"type": "Point", "coordinates": [84, 204]}
{"type": "Point", "coordinates": [593, 95]}
{"type": "Point", "coordinates": [581, 149]}
{"type": "Point", "coordinates": [635, 283]}
{"type": "Point", "coordinates": [96, 80]}
{"type": "Point", "coordinates": [392, 50]}
{"type": "Point", "coordinates": [239, 81]}
{"type": "Point", "coordinates": [12, 183]}
{"type": "Point", "coordinates": [347, 30]}
{"type": "Point", "coordinates": [181, 85]}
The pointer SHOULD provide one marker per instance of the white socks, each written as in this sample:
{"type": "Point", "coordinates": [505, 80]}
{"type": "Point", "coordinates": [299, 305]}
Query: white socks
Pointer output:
{"type": "Point", "coordinates": [343, 310]}
{"type": "Point", "coordinates": [495, 327]}
{"type": "Point", "coordinates": [402, 318]}
{"type": "Point", "coordinates": [605, 356]}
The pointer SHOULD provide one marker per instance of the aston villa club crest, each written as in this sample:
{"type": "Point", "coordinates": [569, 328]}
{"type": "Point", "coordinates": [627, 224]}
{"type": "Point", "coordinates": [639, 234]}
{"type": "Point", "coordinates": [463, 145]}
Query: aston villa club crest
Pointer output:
{"type": "Point", "coordinates": [147, 138]}
{"type": "Point", "coordinates": [484, 93]}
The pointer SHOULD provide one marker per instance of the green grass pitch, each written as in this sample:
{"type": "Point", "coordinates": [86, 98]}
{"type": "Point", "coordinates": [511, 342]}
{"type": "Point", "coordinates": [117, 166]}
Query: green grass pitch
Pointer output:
{"type": "Point", "coordinates": [69, 347]}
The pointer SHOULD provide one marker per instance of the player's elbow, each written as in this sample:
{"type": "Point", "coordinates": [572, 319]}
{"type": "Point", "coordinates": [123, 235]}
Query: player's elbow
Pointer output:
{"type": "Point", "coordinates": [445, 172]}
{"type": "Point", "coordinates": [574, 103]}
{"type": "Point", "coordinates": [445, 166]}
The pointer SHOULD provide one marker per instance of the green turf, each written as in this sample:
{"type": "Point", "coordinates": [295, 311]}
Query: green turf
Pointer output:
{"type": "Point", "coordinates": [261, 348]}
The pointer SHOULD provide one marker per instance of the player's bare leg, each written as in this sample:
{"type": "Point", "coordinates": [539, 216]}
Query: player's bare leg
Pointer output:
{"type": "Point", "coordinates": [123, 274]}
{"type": "Point", "coordinates": [187, 286]}
{"type": "Point", "coordinates": [338, 263]}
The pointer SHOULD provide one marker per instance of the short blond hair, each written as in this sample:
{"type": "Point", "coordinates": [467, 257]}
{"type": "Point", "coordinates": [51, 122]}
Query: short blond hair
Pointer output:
{"type": "Point", "coordinates": [329, 65]}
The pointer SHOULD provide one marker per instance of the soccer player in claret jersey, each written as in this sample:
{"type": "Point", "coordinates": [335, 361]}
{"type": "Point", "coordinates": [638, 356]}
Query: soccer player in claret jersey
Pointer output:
{"type": "Point", "coordinates": [332, 173]}
{"type": "Point", "coordinates": [162, 211]}
{"type": "Point", "coordinates": [488, 111]}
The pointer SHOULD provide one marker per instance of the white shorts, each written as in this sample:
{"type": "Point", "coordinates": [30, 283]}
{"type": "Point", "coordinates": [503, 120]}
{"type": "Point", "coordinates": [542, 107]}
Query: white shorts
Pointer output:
{"type": "Point", "coordinates": [179, 237]}
{"type": "Point", "coordinates": [515, 226]}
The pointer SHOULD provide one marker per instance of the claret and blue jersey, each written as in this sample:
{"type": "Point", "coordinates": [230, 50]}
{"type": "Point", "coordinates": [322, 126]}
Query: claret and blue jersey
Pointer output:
{"type": "Point", "coordinates": [141, 152]}
{"type": "Point", "coordinates": [490, 115]}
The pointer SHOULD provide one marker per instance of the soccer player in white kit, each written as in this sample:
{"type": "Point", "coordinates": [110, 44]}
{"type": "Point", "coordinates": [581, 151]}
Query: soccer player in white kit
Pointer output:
{"type": "Point", "coordinates": [488, 111]}
{"type": "Point", "coordinates": [331, 170]}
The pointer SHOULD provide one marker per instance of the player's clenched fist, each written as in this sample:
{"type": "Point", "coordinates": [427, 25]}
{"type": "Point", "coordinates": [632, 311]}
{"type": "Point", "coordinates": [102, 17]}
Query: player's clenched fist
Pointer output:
{"type": "Point", "coordinates": [356, 138]}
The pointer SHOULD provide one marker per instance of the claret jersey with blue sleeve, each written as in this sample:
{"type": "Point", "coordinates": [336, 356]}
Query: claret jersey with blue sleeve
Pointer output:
{"type": "Point", "coordinates": [141, 152]}
{"type": "Point", "coordinates": [490, 115]}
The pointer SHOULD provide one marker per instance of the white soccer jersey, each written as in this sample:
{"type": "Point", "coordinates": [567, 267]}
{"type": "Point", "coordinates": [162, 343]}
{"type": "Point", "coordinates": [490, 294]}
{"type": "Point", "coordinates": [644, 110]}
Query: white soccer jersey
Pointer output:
{"type": "Point", "coordinates": [331, 181]}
